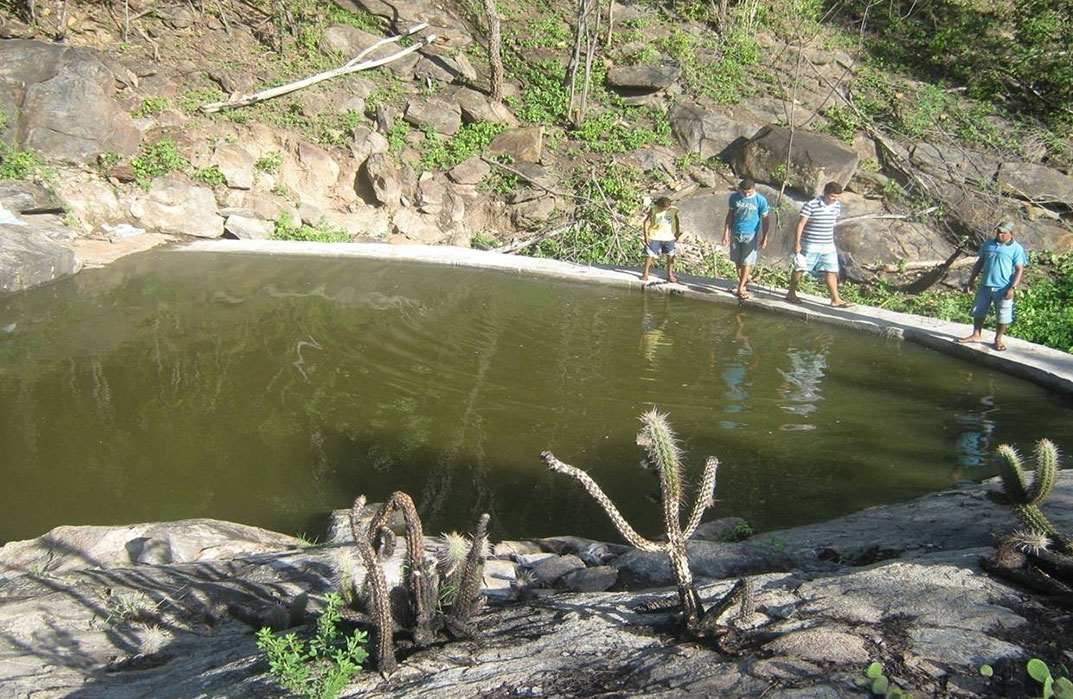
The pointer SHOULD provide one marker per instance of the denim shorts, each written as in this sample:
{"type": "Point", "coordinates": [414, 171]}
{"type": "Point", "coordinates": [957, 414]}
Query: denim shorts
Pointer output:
{"type": "Point", "coordinates": [985, 297]}
{"type": "Point", "coordinates": [816, 262]}
{"type": "Point", "coordinates": [656, 248]}
{"type": "Point", "coordinates": [744, 252]}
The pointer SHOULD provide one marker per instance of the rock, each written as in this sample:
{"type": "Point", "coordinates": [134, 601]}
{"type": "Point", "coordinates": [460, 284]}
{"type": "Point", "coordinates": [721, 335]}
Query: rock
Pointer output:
{"type": "Point", "coordinates": [822, 645]}
{"type": "Point", "coordinates": [499, 579]}
{"type": "Point", "coordinates": [651, 77]}
{"type": "Point", "coordinates": [236, 164]}
{"type": "Point", "coordinates": [268, 207]}
{"type": "Point", "coordinates": [385, 178]}
{"type": "Point", "coordinates": [63, 102]}
{"type": "Point", "coordinates": [431, 112]}
{"type": "Point", "coordinates": [953, 646]}
{"type": "Point", "coordinates": [549, 570]}
{"type": "Point", "coordinates": [362, 223]}
{"type": "Point", "coordinates": [1045, 235]}
{"type": "Point", "coordinates": [867, 242]}
{"type": "Point", "coordinates": [470, 171]}
{"type": "Point", "coordinates": [22, 197]}
{"type": "Point", "coordinates": [524, 145]}
{"type": "Point", "coordinates": [347, 40]}
{"type": "Point", "coordinates": [91, 199]}
{"type": "Point", "coordinates": [815, 160]}
{"type": "Point", "coordinates": [246, 228]}
{"type": "Point", "coordinates": [514, 549]}
{"type": "Point", "coordinates": [1036, 183]}
{"type": "Point", "coordinates": [311, 176]}
{"type": "Point", "coordinates": [722, 529]}
{"type": "Point", "coordinates": [364, 142]}
{"type": "Point", "coordinates": [476, 107]}
{"type": "Point", "coordinates": [595, 579]}
{"type": "Point", "coordinates": [641, 569]}
{"type": "Point", "coordinates": [707, 133]}
{"type": "Point", "coordinates": [865, 147]}
{"type": "Point", "coordinates": [533, 211]}
{"type": "Point", "coordinates": [430, 194]}
{"type": "Point", "coordinates": [29, 257]}
{"type": "Point", "coordinates": [309, 214]}
{"type": "Point", "coordinates": [178, 207]}
{"type": "Point", "coordinates": [954, 164]}
{"type": "Point", "coordinates": [404, 67]}
{"type": "Point", "coordinates": [418, 227]}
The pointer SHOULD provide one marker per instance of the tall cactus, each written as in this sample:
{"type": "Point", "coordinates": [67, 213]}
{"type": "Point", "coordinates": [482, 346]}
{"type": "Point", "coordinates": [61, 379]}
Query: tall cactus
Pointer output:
{"type": "Point", "coordinates": [664, 457]}
{"type": "Point", "coordinates": [1025, 497]}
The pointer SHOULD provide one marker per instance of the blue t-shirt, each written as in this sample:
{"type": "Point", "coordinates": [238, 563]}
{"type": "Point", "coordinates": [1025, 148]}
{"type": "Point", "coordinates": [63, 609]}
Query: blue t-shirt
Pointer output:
{"type": "Point", "coordinates": [747, 213]}
{"type": "Point", "coordinates": [1000, 261]}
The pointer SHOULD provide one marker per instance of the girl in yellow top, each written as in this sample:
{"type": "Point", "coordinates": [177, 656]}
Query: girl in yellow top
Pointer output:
{"type": "Point", "coordinates": [661, 230]}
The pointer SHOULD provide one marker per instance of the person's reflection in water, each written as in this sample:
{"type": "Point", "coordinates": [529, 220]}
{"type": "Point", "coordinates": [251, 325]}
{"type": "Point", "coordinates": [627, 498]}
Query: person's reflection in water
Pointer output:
{"type": "Point", "coordinates": [974, 428]}
{"type": "Point", "coordinates": [654, 319]}
{"type": "Point", "coordinates": [801, 385]}
{"type": "Point", "coordinates": [735, 371]}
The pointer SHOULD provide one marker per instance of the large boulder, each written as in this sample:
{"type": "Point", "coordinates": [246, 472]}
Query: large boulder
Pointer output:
{"type": "Point", "coordinates": [954, 164]}
{"type": "Point", "coordinates": [1037, 183]}
{"type": "Point", "coordinates": [437, 114]}
{"type": "Point", "coordinates": [236, 164]}
{"type": "Point", "coordinates": [91, 199]}
{"type": "Point", "coordinates": [29, 257]}
{"type": "Point", "coordinates": [524, 145]}
{"type": "Point", "coordinates": [815, 159]}
{"type": "Point", "coordinates": [347, 40]}
{"type": "Point", "coordinates": [707, 133]}
{"type": "Point", "coordinates": [22, 197]}
{"type": "Point", "coordinates": [178, 207]}
{"type": "Point", "coordinates": [62, 99]}
{"type": "Point", "coordinates": [389, 182]}
{"type": "Point", "coordinates": [310, 173]}
{"type": "Point", "coordinates": [651, 77]}
{"type": "Point", "coordinates": [476, 107]}
{"type": "Point", "coordinates": [418, 227]}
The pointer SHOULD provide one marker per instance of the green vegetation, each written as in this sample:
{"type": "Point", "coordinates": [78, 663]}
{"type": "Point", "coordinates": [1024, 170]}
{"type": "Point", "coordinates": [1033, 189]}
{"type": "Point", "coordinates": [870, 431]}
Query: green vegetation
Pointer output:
{"type": "Point", "coordinates": [156, 160]}
{"type": "Point", "coordinates": [210, 176]}
{"type": "Point", "coordinates": [18, 164]}
{"type": "Point", "coordinates": [727, 79]}
{"type": "Point", "coordinates": [192, 99]}
{"type": "Point", "coordinates": [269, 163]}
{"type": "Point", "coordinates": [151, 106]}
{"type": "Point", "coordinates": [549, 31]}
{"type": "Point", "coordinates": [320, 667]}
{"type": "Point", "coordinates": [321, 233]}
{"type": "Point", "coordinates": [623, 131]}
{"type": "Point", "coordinates": [1058, 687]}
{"type": "Point", "coordinates": [879, 684]}
{"type": "Point", "coordinates": [997, 50]}
{"type": "Point", "coordinates": [1025, 498]}
{"type": "Point", "coordinates": [443, 153]}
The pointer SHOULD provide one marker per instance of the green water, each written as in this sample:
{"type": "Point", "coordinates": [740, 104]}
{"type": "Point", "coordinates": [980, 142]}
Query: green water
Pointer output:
{"type": "Point", "coordinates": [269, 391]}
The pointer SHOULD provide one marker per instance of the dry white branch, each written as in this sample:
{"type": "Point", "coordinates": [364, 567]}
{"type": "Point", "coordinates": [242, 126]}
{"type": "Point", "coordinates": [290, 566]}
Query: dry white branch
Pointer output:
{"type": "Point", "coordinates": [352, 66]}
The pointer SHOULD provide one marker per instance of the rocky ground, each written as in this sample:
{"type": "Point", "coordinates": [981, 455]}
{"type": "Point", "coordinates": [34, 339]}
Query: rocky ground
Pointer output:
{"type": "Point", "coordinates": [170, 610]}
{"type": "Point", "coordinates": [113, 111]}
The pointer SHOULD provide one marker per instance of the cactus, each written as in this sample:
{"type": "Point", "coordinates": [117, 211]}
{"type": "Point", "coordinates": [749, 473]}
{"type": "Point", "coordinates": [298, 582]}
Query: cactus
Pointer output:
{"type": "Point", "coordinates": [664, 457]}
{"type": "Point", "coordinates": [1024, 497]}
{"type": "Point", "coordinates": [423, 579]}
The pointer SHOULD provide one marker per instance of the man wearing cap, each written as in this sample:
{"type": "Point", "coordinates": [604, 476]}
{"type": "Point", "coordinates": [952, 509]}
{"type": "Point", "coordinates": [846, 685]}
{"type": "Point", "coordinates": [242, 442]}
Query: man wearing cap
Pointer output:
{"type": "Point", "coordinates": [747, 214]}
{"type": "Point", "coordinates": [1002, 261]}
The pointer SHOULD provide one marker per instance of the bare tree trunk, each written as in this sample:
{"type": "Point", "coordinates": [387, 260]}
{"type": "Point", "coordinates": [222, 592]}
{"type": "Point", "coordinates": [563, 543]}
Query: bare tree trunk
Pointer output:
{"type": "Point", "coordinates": [495, 50]}
{"type": "Point", "coordinates": [586, 37]}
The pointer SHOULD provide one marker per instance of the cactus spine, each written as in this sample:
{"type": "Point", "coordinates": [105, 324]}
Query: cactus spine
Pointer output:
{"type": "Point", "coordinates": [1025, 497]}
{"type": "Point", "coordinates": [664, 457]}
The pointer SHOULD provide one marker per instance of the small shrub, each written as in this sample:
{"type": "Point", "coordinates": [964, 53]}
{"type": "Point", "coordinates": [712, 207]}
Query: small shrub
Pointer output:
{"type": "Point", "coordinates": [320, 667]}
{"type": "Point", "coordinates": [469, 140]}
{"type": "Point", "coordinates": [18, 164]}
{"type": "Point", "coordinates": [157, 160]}
{"type": "Point", "coordinates": [210, 176]}
{"type": "Point", "coordinates": [321, 233]}
{"type": "Point", "coordinates": [270, 162]}
{"type": "Point", "coordinates": [151, 106]}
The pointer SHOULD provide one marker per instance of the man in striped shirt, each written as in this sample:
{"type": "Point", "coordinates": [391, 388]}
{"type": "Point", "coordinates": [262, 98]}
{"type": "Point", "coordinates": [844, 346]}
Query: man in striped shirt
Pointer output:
{"type": "Point", "coordinates": [814, 243]}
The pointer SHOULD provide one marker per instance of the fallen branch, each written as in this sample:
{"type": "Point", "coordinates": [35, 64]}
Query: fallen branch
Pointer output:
{"type": "Point", "coordinates": [511, 248]}
{"type": "Point", "coordinates": [919, 264]}
{"type": "Point", "coordinates": [530, 180]}
{"type": "Point", "coordinates": [897, 217]}
{"type": "Point", "coordinates": [352, 66]}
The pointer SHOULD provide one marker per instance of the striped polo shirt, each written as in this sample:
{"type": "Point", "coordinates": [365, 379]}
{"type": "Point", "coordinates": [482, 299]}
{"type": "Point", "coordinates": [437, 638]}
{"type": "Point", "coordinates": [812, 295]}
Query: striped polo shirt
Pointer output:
{"type": "Point", "coordinates": [819, 232]}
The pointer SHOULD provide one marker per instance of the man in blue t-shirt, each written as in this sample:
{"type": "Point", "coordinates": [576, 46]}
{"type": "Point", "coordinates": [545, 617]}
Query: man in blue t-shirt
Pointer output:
{"type": "Point", "coordinates": [1002, 261]}
{"type": "Point", "coordinates": [747, 211]}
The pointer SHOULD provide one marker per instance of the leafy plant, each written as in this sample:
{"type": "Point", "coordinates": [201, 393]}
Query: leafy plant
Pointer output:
{"type": "Point", "coordinates": [270, 162]}
{"type": "Point", "coordinates": [18, 164]}
{"type": "Point", "coordinates": [212, 176]}
{"type": "Point", "coordinates": [320, 667]}
{"type": "Point", "coordinates": [879, 684]}
{"type": "Point", "coordinates": [285, 229]}
{"type": "Point", "coordinates": [469, 140]}
{"type": "Point", "coordinates": [156, 160]}
{"type": "Point", "coordinates": [151, 106]}
{"type": "Point", "coordinates": [1060, 687]}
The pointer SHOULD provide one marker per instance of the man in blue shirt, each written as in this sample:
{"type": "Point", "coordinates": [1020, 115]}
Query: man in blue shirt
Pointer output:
{"type": "Point", "coordinates": [1002, 261]}
{"type": "Point", "coordinates": [746, 212]}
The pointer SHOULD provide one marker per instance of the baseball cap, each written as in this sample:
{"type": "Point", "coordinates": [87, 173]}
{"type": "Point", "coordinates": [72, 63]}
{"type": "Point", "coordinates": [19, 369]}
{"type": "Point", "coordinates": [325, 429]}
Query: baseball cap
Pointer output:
{"type": "Point", "coordinates": [1006, 227]}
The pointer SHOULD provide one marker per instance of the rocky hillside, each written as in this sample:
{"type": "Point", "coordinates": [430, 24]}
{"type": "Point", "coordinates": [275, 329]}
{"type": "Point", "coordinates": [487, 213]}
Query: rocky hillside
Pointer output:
{"type": "Point", "coordinates": [107, 147]}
